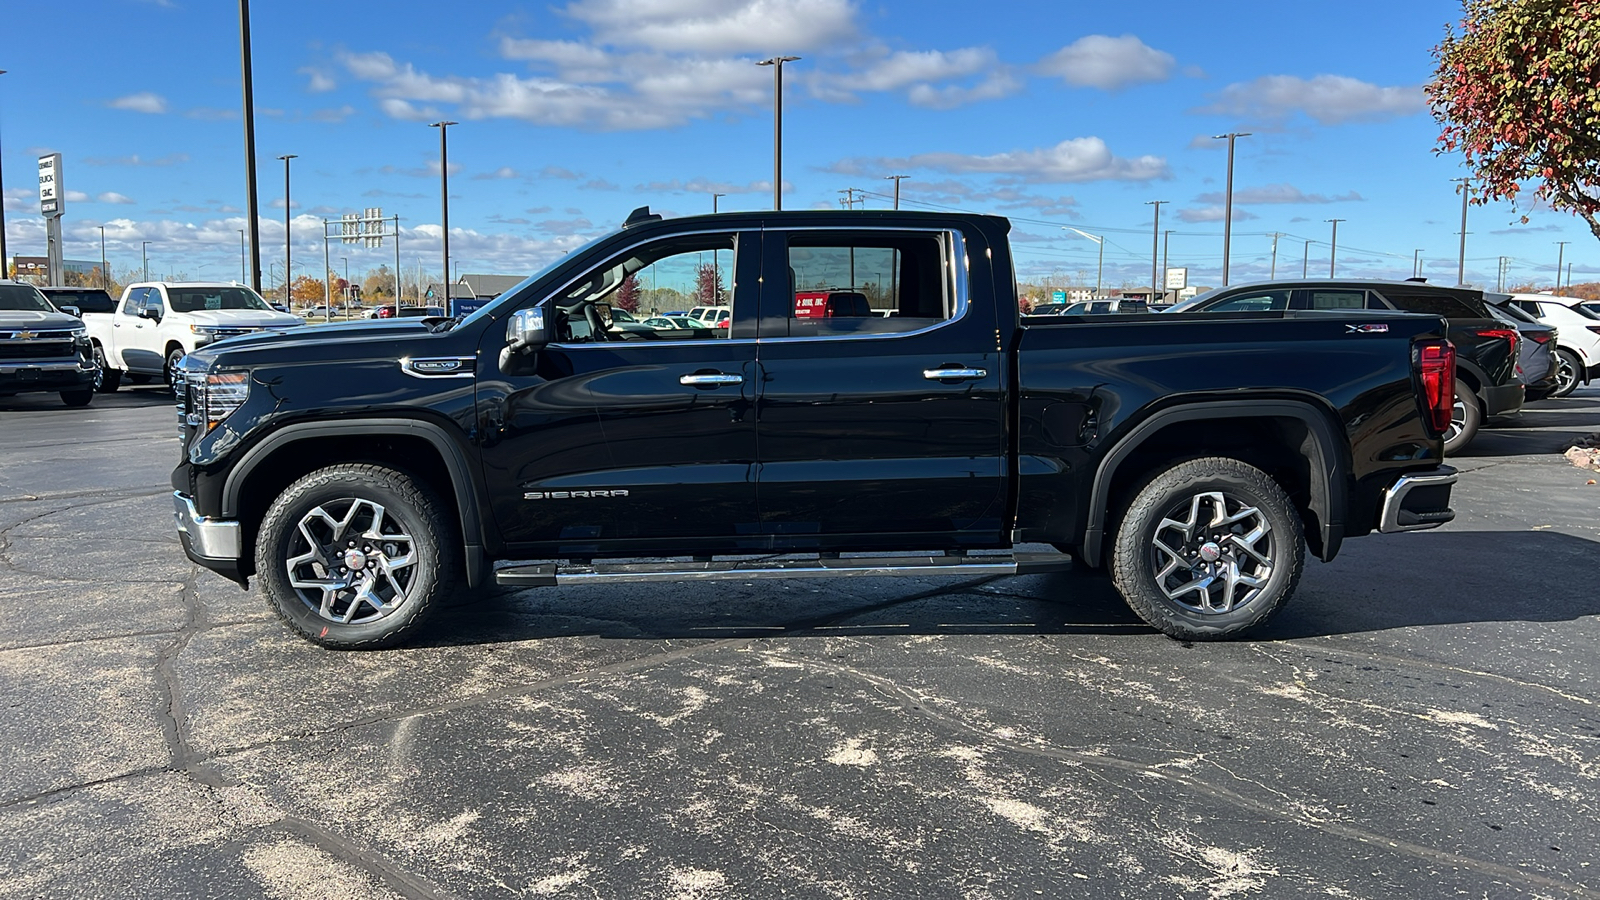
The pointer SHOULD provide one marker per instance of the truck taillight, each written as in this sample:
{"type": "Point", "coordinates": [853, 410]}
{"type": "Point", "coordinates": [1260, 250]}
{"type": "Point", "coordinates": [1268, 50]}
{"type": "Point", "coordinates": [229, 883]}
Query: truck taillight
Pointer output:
{"type": "Point", "coordinates": [1509, 334]}
{"type": "Point", "coordinates": [1435, 362]}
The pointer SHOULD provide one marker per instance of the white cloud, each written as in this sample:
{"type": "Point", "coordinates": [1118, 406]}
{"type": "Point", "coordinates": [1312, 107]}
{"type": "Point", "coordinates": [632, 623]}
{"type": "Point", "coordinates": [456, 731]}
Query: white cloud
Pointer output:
{"type": "Point", "coordinates": [1329, 99]}
{"type": "Point", "coordinates": [725, 26]}
{"type": "Point", "coordinates": [75, 197]}
{"type": "Point", "coordinates": [1276, 193]}
{"type": "Point", "coordinates": [504, 172]}
{"type": "Point", "coordinates": [1213, 214]}
{"type": "Point", "coordinates": [1076, 159]}
{"type": "Point", "coordinates": [170, 159]}
{"type": "Point", "coordinates": [113, 197]}
{"type": "Point", "coordinates": [707, 186]}
{"type": "Point", "coordinates": [318, 81]}
{"type": "Point", "coordinates": [144, 102]}
{"type": "Point", "coordinates": [1106, 62]}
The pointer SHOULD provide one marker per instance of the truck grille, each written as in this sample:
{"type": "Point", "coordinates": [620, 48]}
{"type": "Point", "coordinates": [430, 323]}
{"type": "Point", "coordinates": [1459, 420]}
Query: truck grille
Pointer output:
{"type": "Point", "coordinates": [39, 347]}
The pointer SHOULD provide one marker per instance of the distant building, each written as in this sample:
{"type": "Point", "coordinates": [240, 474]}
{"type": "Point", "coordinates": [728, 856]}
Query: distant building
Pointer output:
{"type": "Point", "coordinates": [435, 293]}
{"type": "Point", "coordinates": [36, 269]}
{"type": "Point", "coordinates": [488, 287]}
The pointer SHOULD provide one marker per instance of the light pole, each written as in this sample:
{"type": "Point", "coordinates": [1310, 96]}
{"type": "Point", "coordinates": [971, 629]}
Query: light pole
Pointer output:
{"type": "Point", "coordinates": [1561, 255]}
{"type": "Point", "coordinates": [776, 63]}
{"type": "Point", "coordinates": [444, 201]}
{"type": "Point", "coordinates": [346, 291]}
{"type": "Point", "coordinates": [1333, 252]}
{"type": "Point", "coordinates": [714, 198]}
{"type": "Point", "coordinates": [1466, 195]}
{"type": "Point", "coordinates": [252, 210]}
{"type": "Point", "coordinates": [144, 258]}
{"type": "Point", "coordinates": [105, 278]}
{"type": "Point", "coordinates": [243, 278]}
{"type": "Point", "coordinates": [896, 179]}
{"type": "Point", "coordinates": [1305, 263]}
{"type": "Point", "coordinates": [1416, 263]}
{"type": "Point", "coordinates": [1227, 210]}
{"type": "Point", "coordinates": [5, 267]}
{"type": "Point", "coordinates": [1099, 274]}
{"type": "Point", "coordinates": [1155, 244]}
{"type": "Point", "coordinates": [1273, 272]}
{"type": "Point", "coordinates": [287, 237]}
{"type": "Point", "coordinates": [1166, 243]}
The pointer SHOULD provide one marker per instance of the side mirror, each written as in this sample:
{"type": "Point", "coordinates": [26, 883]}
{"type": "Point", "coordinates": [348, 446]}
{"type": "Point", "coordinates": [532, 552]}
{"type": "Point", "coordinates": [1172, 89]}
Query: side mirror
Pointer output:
{"type": "Point", "coordinates": [146, 312]}
{"type": "Point", "coordinates": [72, 311]}
{"type": "Point", "coordinates": [525, 330]}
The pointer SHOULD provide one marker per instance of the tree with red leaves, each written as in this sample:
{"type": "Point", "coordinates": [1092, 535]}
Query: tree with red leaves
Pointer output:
{"type": "Point", "coordinates": [628, 294]}
{"type": "Point", "coordinates": [1518, 92]}
{"type": "Point", "coordinates": [708, 286]}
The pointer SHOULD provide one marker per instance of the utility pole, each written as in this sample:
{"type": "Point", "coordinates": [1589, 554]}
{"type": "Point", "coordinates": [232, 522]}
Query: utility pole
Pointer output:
{"type": "Point", "coordinates": [1466, 196]}
{"type": "Point", "coordinates": [1166, 243]}
{"type": "Point", "coordinates": [1305, 264]}
{"type": "Point", "coordinates": [244, 277]}
{"type": "Point", "coordinates": [252, 210]}
{"type": "Point", "coordinates": [444, 202]}
{"type": "Point", "coordinates": [1274, 275]}
{"type": "Point", "coordinates": [776, 63]}
{"type": "Point", "coordinates": [5, 267]}
{"type": "Point", "coordinates": [1155, 245]}
{"type": "Point", "coordinates": [287, 237]}
{"type": "Point", "coordinates": [1227, 214]}
{"type": "Point", "coordinates": [1500, 280]}
{"type": "Point", "coordinates": [1100, 270]}
{"type": "Point", "coordinates": [1416, 263]}
{"type": "Point", "coordinates": [714, 198]}
{"type": "Point", "coordinates": [850, 197]}
{"type": "Point", "coordinates": [896, 179]}
{"type": "Point", "coordinates": [144, 258]}
{"type": "Point", "coordinates": [105, 278]}
{"type": "Point", "coordinates": [1569, 276]}
{"type": "Point", "coordinates": [1561, 254]}
{"type": "Point", "coordinates": [1334, 252]}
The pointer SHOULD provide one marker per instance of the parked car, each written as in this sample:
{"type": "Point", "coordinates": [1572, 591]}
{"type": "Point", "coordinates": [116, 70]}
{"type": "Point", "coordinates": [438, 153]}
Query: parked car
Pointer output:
{"type": "Point", "coordinates": [1577, 344]}
{"type": "Point", "coordinates": [1105, 307]}
{"type": "Point", "coordinates": [712, 316]}
{"type": "Point", "coordinates": [77, 301]}
{"type": "Point", "coordinates": [668, 323]}
{"type": "Point", "coordinates": [43, 348]}
{"type": "Point", "coordinates": [1486, 383]}
{"type": "Point", "coordinates": [1536, 356]}
{"type": "Point", "coordinates": [406, 312]}
{"type": "Point", "coordinates": [157, 323]}
{"type": "Point", "coordinates": [1196, 458]}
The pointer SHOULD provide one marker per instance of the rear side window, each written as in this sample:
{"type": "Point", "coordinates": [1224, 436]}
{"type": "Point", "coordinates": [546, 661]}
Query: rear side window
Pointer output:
{"type": "Point", "coordinates": [1333, 298]}
{"type": "Point", "coordinates": [867, 283]}
{"type": "Point", "coordinates": [1440, 304]}
{"type": "Point", "coordinates": [85, 301]}
{"type": "Point", "coordinates": [1256, 301]}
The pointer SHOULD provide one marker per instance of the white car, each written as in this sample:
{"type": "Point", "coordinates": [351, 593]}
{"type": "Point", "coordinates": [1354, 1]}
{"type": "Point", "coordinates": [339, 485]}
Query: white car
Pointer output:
{"type": "Point", "coordinates": [1577, 341]}
{"type": "Point", "coordinates": [712, 316]}
{"type": "Point", "coordinates": [157, 323]}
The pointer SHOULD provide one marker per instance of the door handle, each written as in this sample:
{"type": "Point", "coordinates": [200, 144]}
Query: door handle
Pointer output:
{"type": "Point", "coordinates": [710, 380]}
{"type": "Point", "coordinates": [954, 374]}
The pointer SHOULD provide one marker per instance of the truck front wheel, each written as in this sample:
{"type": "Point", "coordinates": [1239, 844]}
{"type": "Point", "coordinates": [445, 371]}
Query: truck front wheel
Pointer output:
{"type": "Point", "coordinates": [106, 379]}
{"type": "Point", "coordinates": [356, 556]}
{"type": "Point", "coordinates": [1209, 548]}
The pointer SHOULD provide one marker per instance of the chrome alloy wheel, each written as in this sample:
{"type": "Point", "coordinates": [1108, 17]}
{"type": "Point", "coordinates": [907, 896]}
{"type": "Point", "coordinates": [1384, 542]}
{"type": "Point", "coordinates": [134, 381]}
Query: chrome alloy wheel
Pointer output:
{"type": "Point", "coordinates": [1458, 420]}
{"type": "Point", "coordinates": [1566, 375]}
{"type": "Point", "coordinates": [1215, 560]}
{"type": "Point", "coordinates": [350, 561]}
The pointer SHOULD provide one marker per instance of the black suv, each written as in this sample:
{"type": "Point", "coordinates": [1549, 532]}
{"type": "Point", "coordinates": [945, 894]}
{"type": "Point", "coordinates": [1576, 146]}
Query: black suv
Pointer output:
{"type": "Point", "coordinates": [1487, 385]}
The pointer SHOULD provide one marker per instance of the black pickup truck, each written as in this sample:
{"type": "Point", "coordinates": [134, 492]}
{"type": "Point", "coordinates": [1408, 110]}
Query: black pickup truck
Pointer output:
{"type": "Point", "coordinates": [365, 470]}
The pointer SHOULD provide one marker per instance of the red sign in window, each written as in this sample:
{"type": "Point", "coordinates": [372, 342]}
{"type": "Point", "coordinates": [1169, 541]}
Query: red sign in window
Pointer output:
{"type": "Point", "coordinates": [811, 305]}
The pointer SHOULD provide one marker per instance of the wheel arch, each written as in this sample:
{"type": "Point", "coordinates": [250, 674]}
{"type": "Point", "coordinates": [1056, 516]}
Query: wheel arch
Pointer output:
{"type": "Point", "coordinates": [1320, 492]}
{"type": "Point", "coordinates": [417, 447]}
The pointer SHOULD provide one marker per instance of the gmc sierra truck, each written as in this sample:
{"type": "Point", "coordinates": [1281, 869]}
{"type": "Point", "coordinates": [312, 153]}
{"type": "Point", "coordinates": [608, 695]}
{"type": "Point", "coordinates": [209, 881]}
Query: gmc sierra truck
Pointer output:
{"type": "Point", "coordinates": [365, 472]}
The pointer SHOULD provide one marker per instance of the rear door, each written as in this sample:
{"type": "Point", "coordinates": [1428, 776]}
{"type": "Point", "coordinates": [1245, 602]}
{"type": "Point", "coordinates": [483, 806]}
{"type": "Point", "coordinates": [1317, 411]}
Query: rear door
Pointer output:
{"type": "Point", "coordinates": [640, 439]}
{"type": "Point", "coordinates": [872, 424]}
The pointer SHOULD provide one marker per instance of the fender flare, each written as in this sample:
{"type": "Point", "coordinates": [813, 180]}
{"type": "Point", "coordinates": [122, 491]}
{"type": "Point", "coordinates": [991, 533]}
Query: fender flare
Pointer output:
{"type": "Point", "coordinates": [468, 504]}
{"type": "Point", "coordinates": [1330, 470]}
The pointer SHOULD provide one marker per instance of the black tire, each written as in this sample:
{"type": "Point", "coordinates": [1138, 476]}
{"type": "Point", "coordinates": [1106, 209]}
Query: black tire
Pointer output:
{"type": "Point", "coordinates": [109, 379]}
{"type": "Point", "coordinates": [1171, 591]}
{"type": "Point", "coordinates": [408, 506]}
{"type": "Point", "coordinates": [139, 378]}
{"type": "Point", "coordinates": [78, 398]}
{"type": "Point", "coordinates": [1569, 373]}
{"type": "Point", "coordinates": [174, 356]}
{"type": "Point", "coordinates": [1465, 418]}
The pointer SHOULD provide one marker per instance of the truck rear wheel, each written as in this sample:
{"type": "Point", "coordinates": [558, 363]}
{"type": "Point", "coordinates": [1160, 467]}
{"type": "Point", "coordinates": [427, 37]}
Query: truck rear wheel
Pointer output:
{"type": "Point", "coordinates": [1209, 548]}
{"type": "Point", "coordinates": [356, 556]}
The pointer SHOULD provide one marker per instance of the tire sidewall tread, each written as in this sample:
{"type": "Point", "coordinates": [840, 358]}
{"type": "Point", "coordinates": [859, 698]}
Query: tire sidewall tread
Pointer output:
{"type": "Point", "coordinates": [1130, 566]}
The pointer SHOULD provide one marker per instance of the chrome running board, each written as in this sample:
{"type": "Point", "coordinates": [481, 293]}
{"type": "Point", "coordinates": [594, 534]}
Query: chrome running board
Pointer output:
{"type": "Point", "coordinates": [551, 575]}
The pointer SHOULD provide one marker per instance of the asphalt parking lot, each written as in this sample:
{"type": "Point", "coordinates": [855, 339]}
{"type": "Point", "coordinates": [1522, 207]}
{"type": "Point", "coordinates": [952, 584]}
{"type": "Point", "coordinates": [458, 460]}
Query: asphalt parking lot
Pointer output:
{"type": "Point", "coordinates": [1423, 720]}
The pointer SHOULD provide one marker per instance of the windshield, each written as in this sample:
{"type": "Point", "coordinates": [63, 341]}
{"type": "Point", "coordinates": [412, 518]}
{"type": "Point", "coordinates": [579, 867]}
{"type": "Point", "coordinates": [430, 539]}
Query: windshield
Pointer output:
{"type": "Point", "coordinates": [195, 299]}
{"type": "Point", "coordinates": [23, 298]}
{"type": "Point", "coordinates": [1587, 311]}
{"type": "Point", "coordinates": [487, 309]}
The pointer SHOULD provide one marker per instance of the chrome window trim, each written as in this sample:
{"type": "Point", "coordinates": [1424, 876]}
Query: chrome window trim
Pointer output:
{"type": "Point", "coordinates": [958, 273]}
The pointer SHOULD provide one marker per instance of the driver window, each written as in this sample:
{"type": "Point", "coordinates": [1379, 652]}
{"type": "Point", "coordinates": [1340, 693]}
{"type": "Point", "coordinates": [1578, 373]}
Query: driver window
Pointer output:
{"type": "Point", "coordinates": [672, 290]}
{"type": "Point", "coordinates": [135, 301]}
{"type": "Point", "coordinates": [1261, 301]}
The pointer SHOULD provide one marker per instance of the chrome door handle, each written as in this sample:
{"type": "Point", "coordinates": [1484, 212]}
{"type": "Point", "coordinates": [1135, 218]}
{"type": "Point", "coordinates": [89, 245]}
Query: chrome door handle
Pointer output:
{"type": "Point", "coordinates": [954, 374]}
{"type": "Point", "coordinates": [704, 380]}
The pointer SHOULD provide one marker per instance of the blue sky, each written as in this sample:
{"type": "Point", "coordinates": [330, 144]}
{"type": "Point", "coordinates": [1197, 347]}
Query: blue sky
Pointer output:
{"type": "Point", "coordinates": [572, 113]}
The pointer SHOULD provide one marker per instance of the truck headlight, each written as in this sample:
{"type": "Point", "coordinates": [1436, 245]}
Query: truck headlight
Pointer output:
{"type": "Point", "coordinates": [215, 396]}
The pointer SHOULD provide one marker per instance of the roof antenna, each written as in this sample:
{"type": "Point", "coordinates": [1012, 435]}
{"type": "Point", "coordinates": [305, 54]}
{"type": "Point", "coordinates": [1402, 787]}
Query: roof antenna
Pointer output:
{"type": "Point", "coordinates": [640, 216]}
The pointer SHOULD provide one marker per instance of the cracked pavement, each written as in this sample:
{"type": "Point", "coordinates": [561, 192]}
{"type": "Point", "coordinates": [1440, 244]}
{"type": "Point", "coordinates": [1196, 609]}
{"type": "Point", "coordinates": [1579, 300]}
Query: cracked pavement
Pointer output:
{"type": "Point", "coordinates": [1421, 720]}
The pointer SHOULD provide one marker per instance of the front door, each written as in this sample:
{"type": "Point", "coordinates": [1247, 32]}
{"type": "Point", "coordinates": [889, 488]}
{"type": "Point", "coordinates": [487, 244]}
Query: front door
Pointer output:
{"type": "Point", "coordinates": [882, 403]}
{"type": "Point", "coordinates": [136, 338]}
{"type": "Point", "coordinates": [623, 436]}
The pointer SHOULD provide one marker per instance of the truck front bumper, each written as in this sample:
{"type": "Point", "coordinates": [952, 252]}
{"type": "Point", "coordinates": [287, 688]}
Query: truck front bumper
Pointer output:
{"type": "Point", "coordinates": [1418, 501]}
{"type": "Point", "coordinates": [53, 375]}
{"type": "Point", "coordinates": [213, 543]}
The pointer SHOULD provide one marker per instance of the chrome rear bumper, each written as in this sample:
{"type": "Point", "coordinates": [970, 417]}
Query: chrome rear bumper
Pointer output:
{"type": "Point", "coordinates": [1416, 502]}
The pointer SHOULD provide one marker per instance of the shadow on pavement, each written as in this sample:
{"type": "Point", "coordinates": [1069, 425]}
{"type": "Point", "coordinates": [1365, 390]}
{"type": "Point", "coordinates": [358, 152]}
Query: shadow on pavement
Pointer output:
{"type": "Point", "coordinates": [1442, 578]}
{"type": "Point", "coordinates": [138, 397]}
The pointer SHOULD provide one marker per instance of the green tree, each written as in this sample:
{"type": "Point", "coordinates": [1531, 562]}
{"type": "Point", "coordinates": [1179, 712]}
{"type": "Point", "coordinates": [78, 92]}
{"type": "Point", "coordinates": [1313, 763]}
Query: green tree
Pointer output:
{"type": "Point", "coordinates": [1518, 93]}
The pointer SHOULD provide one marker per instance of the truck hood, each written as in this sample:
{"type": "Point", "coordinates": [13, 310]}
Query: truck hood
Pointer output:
{"type": "Point", "coordinates": [18, 319]}
{"type": "Point", "coordinates": [243, 318]}
{"type": "Point", "coordinates": [339, 341]}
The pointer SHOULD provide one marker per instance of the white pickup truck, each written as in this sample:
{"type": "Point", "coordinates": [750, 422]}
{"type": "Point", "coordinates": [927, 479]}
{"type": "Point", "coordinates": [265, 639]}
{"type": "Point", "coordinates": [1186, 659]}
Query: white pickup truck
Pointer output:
{"type": "Point", "coordinates": [157, 323]}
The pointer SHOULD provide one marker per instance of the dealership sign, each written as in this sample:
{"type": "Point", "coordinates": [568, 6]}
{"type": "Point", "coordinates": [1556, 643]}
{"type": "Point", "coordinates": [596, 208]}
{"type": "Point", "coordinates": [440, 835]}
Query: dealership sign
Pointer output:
{"type": "Point", "coordinates": [52, 195]}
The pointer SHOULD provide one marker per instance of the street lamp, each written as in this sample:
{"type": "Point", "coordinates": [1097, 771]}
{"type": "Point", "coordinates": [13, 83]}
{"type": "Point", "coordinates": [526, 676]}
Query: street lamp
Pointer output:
{"type": "Point", "coordinates": [287, 297]}
{"type": "Point", "coordinates": [1227, 212]}
{"type": "Point", "coordinates": [5, 267]}
{"type": "Point", "coordinates": [1155, 244]}
{"type": "Point", "coordinates": [1333, 249]}
{"type": "Point", "coordinates": [144, 257]}
{"type": "Point", "coordinates": [444, 201]}
{"type": "Point", "coordinates": [1101, 269]}
{"type": "Point", "coordinates": [776, 63]}
{"type": "Point", "coordinates": [1561, 255]}
{"type": "Point", "coordinates": [243, 278]}
{"type": "Point", "coordinates": [252, 209]}
{"type": "Point", "coordinates": [105, 279]}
